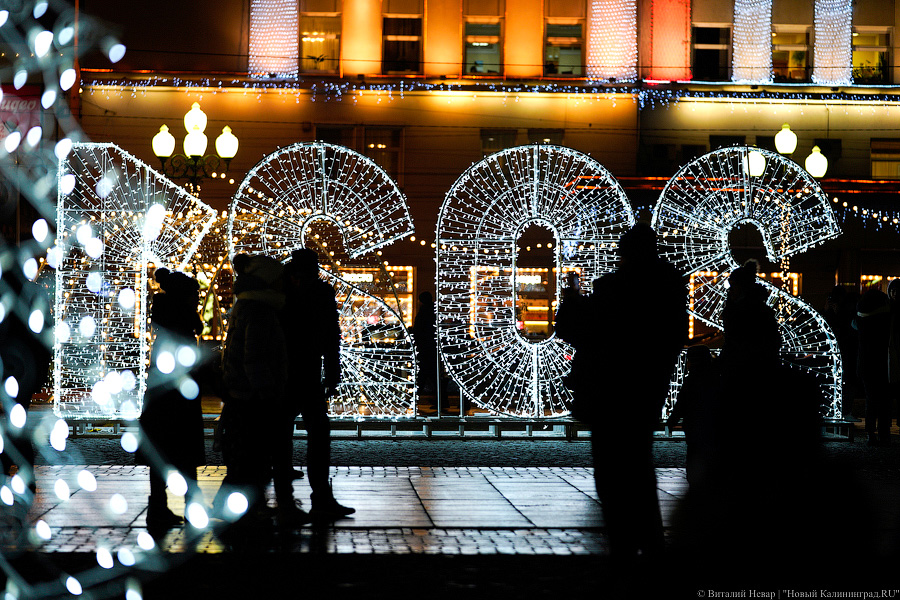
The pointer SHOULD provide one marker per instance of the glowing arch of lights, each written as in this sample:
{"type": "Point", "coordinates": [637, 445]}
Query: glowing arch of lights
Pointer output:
{"type": "Point", "coordinates": [115, 216]}
{"type": "Point", "coordinates": [478, 227]}
{"type": "Point", "coordinates": [710, 196]}
{"type": "Point", "coordinates": [271, 213]}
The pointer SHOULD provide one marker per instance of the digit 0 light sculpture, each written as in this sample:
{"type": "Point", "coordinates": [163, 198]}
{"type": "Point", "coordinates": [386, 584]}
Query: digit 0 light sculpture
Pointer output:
{"type": "Point", "coordinates": [715, 193]}
{"type": "Point", "coordinates": [115, 217]}
{"type": "Point", "coordinates": [480, 222]}
{"type": "Point", "coordinates": [276, 210]}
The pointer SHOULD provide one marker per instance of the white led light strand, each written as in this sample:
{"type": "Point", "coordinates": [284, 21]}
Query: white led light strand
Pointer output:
{"type": "Point", "coordinates": [715, 193]}
{"type": "Point", "coordinates": [278, 204]}
{"type": "Point", "coordinates": [752, 41]}
{"type": "Point", "coordinates": [274, 38]}
{"type": "Point", "coordinates": [833, 52]}
{"type": "Point", "coordinates": [117, 218]}
{"type": "Point", "coordinates": [482, 217]}
{"type": "Point", "coordinates": [612, 40]}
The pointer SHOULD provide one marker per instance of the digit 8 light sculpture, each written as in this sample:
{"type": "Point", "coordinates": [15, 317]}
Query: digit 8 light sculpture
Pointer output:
{"type": "Point", "coordinates": [480, 222]}
{"type": "Point", "coordinates": [281, 200]}
{"type": "Point", "coordinates": [715, 193]}
{"type": "Point", "coordinates": [115, 216]}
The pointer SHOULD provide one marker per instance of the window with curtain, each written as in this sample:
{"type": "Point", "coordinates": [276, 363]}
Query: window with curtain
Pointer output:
{"type": "Point", "coordinates": [320, 43]}
{"type": "Point", "coordinates": [711, 45]}
{"type": "Point", "coordinates": [402, 45]}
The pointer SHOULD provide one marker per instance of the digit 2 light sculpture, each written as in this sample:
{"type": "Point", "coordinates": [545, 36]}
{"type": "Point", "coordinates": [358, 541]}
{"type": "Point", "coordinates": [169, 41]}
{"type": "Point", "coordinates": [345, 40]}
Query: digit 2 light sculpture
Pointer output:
{"type": "Point", "coordinates": [275, 209]}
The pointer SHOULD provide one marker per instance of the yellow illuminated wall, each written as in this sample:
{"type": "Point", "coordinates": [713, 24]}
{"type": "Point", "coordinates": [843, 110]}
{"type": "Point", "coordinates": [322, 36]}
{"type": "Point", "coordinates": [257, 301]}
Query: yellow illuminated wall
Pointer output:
{"type": "Point", "coordinates": [524, 42]}
{"type": "Point", "coordinates": [443, 38]}
{"type": "Point", "coordinates": [361, 37]}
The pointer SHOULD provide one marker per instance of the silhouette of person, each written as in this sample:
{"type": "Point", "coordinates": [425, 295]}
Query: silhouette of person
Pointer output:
{"type": "Point", "coordinates": [172, 423]}
{"type": "Point", "coordinates": [313, 334]}
{"type": "Point", "coordinates": [894, 344]}
{"type": "Point", "coordinates": [698, 407]}
{"type": "Point", "coordinates": [25, 356]}
{"type": "Point", "coordinates": [873, 322]}
{"type": "Point", "coordinates": [255, 371]}
{"type": "Point", "coordinates": [633, 339]}
{"type": "Point", "coordinates": [752, 341]}
{"type": "Point", "coordinates": [840, 310]}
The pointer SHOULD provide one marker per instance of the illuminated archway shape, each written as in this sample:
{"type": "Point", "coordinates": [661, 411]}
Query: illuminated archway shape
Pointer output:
{"type": "Point", "coordinates": [271, 213]}
{"type": "Point", "coordinates": [135, 216]}
{"type": "Point", "coordinates": [713, 194]}
{"type": "Point", "coordinates": [480, 221]}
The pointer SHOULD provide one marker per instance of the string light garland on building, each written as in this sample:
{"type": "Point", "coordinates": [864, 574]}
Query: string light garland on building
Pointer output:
{"type": "Point", "coordinates": [752, 42]}
{"type": "Point", "coordinates": [116, 218]}
{"type": "Point", "coordinates": [274, 38]}
{"type": "Point", "coordinates": [612, 40]}
{"type": "Point", "coordinates": [276, 210]}
{"type": "Point", "coordinates": [833, 50]}
{"type": "Point", "coordinates": [479, 224]}
{"type": "Point", "coordinates": [713, 194]}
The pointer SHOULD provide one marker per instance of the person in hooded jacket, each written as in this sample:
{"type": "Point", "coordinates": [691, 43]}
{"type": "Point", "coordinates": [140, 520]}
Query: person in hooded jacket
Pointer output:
{"type": "Point", "coordinates": [313, 334]}
{"type": "Point", "coordinates": [255, 371]}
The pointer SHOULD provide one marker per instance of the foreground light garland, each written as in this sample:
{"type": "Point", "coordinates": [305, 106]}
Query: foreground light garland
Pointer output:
{"type": "Point", "coordinates": [274, 211]}
{"type": "Point", "coordinates": [116, 216]}
{"type": "Point", "coordinates": [713, 194]}
{"type": "Point", "coordinates": [480, 222]}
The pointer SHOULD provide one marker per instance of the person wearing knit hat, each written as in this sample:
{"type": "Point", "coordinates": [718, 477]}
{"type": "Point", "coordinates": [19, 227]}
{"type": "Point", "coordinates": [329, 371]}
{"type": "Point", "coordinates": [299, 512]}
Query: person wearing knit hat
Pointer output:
{"type": "Point", "coordinates": [171, 423]}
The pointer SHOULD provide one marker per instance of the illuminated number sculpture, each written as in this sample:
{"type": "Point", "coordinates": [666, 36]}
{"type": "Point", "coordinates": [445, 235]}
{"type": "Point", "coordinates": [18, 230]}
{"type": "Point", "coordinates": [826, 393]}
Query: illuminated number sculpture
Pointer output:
{"type": "Point", "coordinates": [275, 209]}
{"type": "Point", "coordinates": [480, 222]}
{"type": "Point", "coordinates": [115, 216]}
{"type": "Point", "coordinates": [715, 193]}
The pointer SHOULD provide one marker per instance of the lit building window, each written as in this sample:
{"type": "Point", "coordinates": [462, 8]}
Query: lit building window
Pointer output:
{"type": "Point", "coordinates": [495, 140]}
{"type": "Point", "coordinates": [871, 55]}
{"type": "Point", "coordinates": [885, 154]}
{"type": "Point", "coordinates": [711, 45]}
{"type": "Point", "coordinates": [563, 45]}
{"type": "Point", "coordinates": [320, 43]}
{"type": "Point", "coordinates": [790, 53]}
{"type": "Point", "coordinates": [402, 49]}
{"type": "Point", "coordinates": [382, 144]}
{"type": "Point", "coordinates": [273, 38]}
{"type": "Point", "coordinates": [546, 136]}
{"type": "Point", "coordinates": [752, 41]}
{"type": "Point", "coordinates": [483, 44]}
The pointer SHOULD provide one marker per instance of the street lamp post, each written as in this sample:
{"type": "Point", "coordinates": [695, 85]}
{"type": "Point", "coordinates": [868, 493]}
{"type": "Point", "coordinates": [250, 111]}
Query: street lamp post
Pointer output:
{"type": "Point", "coordinates": [194, 165]}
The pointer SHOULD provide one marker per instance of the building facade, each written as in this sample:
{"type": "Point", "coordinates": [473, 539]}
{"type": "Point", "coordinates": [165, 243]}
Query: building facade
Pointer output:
{"type": "Point", "coordinates": [426, 88]}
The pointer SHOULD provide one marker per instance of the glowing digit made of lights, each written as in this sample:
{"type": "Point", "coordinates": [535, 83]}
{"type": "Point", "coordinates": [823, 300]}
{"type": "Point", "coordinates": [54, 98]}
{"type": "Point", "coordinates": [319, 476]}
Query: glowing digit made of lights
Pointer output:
{"type": "Point", "coordinates": [271, 213]}
{"type": "Point", "coordinates": [481, 219]}
{"type": "Point", "coordinates": [715, 193]}
{"type": "Point", "coordinates": [115, 216]}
